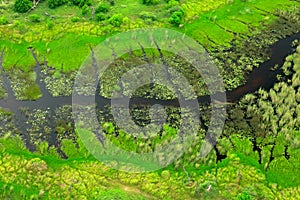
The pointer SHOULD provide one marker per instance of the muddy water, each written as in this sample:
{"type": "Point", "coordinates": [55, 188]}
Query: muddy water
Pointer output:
{"type": "Point", "coordinates": [261, 77]}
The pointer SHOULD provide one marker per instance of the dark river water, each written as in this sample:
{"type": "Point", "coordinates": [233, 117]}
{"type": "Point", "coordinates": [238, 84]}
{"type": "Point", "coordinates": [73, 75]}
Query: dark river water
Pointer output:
{"type": "Point", "coordinates": [261, 77]}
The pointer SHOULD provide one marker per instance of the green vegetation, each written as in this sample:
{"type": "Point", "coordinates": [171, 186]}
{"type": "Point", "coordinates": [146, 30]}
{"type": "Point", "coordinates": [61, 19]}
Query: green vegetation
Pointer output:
{"type": "Point", "coordinates": [258, 155]}
{"type": "Point", "coordinates": [22, 6]}
{"type": "Point", "coordinates": [176, 17]}
{"type": "Point", "coordinates": [103, 7]}
{"type": "Point", "coordinates": [3, 20]}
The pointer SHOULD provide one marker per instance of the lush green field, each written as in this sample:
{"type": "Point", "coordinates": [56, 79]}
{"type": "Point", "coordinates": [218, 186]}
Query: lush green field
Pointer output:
{"type": "Point", "coordinates": [213, 28]}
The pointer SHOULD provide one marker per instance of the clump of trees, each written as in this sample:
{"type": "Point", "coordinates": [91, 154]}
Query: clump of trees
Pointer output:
{"type": "Point", "coordinates": [176, 18]}
{"type": "Point", "coordinates": [23, 6]}
{"type": "Point", "coordinates": [79, 3]}
{"type": "Point", "coordinates": [100, 17]}
{"type": "Point", "coordinates": [56, 3]}
{"type": "Point", "coordinates": [102, 8]}
{"type": "Point", "coordinates": [150, 2]}
{"type": "Point", "coordinates": [85, 10]}
{"type": "Point", "coordinates": [116, 20]}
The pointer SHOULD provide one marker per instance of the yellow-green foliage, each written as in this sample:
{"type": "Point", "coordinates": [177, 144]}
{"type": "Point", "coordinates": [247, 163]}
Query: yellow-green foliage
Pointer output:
{"type": "Point", "coordinates": [50, 178]}
{"type": "Point", "coordinates": [219, 26]}
{"type": "Point", "coordinates": [192, 8]}
{"type": "Point", "coordinates": [25, 175]}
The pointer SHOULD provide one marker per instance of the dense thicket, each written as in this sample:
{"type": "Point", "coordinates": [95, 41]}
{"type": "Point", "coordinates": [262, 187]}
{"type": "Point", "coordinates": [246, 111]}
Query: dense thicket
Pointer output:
{"type": "Point", "coordinates": [22, 6]}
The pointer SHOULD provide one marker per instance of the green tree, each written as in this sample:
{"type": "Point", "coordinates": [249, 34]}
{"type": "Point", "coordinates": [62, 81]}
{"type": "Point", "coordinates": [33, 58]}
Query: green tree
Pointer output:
{"type": "Point", "coordinates": [100, 17]}
{"type": "Point", "coordinates": [116, 20]}
{"type": "Point", "coordinates": [85, 10]}
{"type": "Point", "coordinates": [176, 18]}
{"type": "Point", "coordinates": [244, 196]}
{"type": "Point", "coordinates": [22, 6]}
{"type": "Point", "coordinates": [56, 3]}
{"type": "Point", "coordinates": [81, 3]}
{"type": "Point", "coordinates": [150, 2]}
{"type": "Point", "coordinates": [103, 7]}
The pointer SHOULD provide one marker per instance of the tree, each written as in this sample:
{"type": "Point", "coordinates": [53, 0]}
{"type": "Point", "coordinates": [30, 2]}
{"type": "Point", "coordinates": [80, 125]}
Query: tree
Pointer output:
{"type": "Point", "coordinates": [103, 7]}
{"type": "Point", "coordinates": [150, 2]}
{"type": "Point", "coordinates": [85, 10]}
{"type": "Point", "coordinates": [116, 20]}
{"type": "Point", "coordinates": [56, 3]}
{"type": "Point", "coordinates": [100, 17]}
{"type": "Point", "coordinates": [81, 3]}
{"type": "Point", "coordinates": [176, 18]}
{"type": "Point", "coordinates": [22, 6]}
{"type": "Point", "coordinates": [244, 196]}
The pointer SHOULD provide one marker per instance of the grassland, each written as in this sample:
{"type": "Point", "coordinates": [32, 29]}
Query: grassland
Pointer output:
{"type": "Point", "coordinates": [213, 28]}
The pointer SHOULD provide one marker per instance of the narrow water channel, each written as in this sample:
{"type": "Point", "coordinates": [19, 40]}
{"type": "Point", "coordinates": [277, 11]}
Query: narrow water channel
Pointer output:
{"type": "Point", "coordinates": [262, 77]}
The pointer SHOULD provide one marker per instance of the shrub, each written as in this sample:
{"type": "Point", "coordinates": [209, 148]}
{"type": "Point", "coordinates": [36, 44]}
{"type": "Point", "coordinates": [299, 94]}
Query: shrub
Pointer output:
{"type": "Point", "coordinates": [102, 8]}
{"type": "Point", "coordinates": [147, 15]}
{"type": "Point", "coordinates": [173, 3]}
{"type": "Point", "coordinates": [170, 0]}
{"type": "Point", "coordinates": [56, 3]}
{"type": "Point", "coordinates": [85, 10]}
{"type": "Point", "coordinates": [244, 196]}
{"type": "Point", "coordinates": [50, 25]}
{"type": "Point", "coordinates": [150, 2]}
{"type": "Point", "coordinates": [176, 18]}
{"type": "Point", "coordinates": [34, 18]}
{"type": "Point", "coordinates": [16, 23]}
{"type": "Point", "coordinates": [3, 20]}
{"type": "Point", "coordinates": [75, 19]}
{"type": "Point", "coordinates": [22, 6]}
{"type": "Point", "coordinates": [81, 3]}
{"type": "Point", "coordinates": [112, 2]}
{"type": "Point", "coordinates": [116, 20]}
{"type": "Point", "coordinates": [100, 17]}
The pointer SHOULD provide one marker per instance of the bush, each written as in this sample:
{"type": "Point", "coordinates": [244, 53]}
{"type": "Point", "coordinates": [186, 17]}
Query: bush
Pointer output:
{"type": "Point", "coordinates": [150, 2]}
{"type": "Point", "coordinates": [34, 18]}
{"type": "Point", "coordinates": [56, 3]}
{"type": "Point", "coordinates": [17, 23]}
{"type": "Point", "coordinates": [102, 8]}
{"type": "Point", "coordinates": [3, 20]}
{"type": "Point", "coordinates": [112, 2]}
{"type": "Point", "coordinates": [85, 10]}
{"type": "Point", "coordinates": [22, 6]}
{"type": "Point", "coordinates": [100, 17]}
{"type": "Point", "coordinates": [173, 3]}
{"type": "Point", "coordinates": [176, 18]}
{"type": "Point", "coordinates": [244, 196]}
{"type": "Point", "coordinates": [147, 15]}
{"type": "Point", "coordinates": [81, 3]}
{"type": "Point", "coordinates": [116, 20]}
{"type": "Point", "coordinates": [75, 19]}
{"type": "Point", "coordinates": [167, 1]}
{"type": "Point", "coordinates": [50, 25]}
